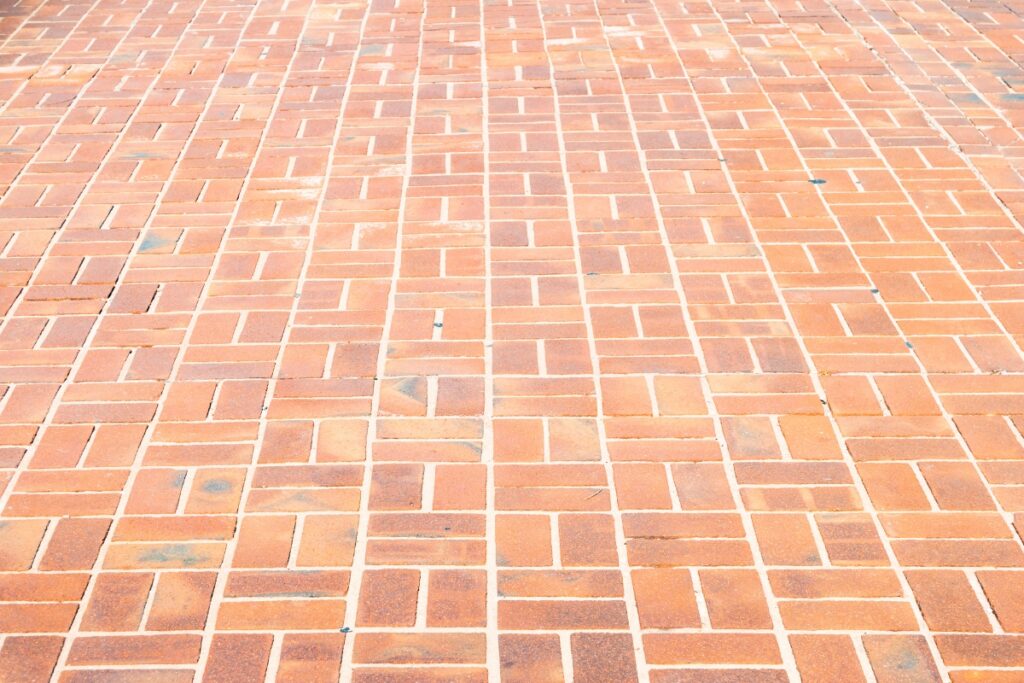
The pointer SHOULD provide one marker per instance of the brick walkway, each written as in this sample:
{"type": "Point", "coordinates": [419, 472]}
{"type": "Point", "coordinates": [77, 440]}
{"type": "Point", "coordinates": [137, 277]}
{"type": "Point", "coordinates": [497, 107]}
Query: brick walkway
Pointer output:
{"type": "Point", "coordinates": [439, 340]}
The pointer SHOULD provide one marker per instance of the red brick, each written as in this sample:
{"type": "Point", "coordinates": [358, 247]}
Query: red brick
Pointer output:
{"type": "Point", "coordinates": [42, 587]}
{"type": "Point", "coordinates": [264, 541]}
{"type": "Point", "coordinates": [526, 658]}
{"type": "Point", "coordinates": [460, 487]}
{"type": "Point", "coordinates": [947, 601]}
{"type": "Point", "coordinates": [29, 658]}
{"type": "Point", "coordinates": [36, 618]}
{"type": "Point", "coordinates": [848, 615]}
{"type": "Point", "coordinates": [388, 598]}
{"type": "Point", "coordinates": [603, 656]}
{"type": "Point", "coordinates": [981, 650]}
{"type": "Point", "coordinates": [419, 648]}
{"type": "Point", "coordinates": [141, 649]}
{"type": "Point", "coordinates": [786, 539]}
{"type": "Point", "coordinates": [894, 658]}
{"type": "Point", "coordinates": [711, 648]}
{"type": "Point", "coordinates": [835, 583]}
{"type": "Point", "coordinates": [702, 486]}
{"type": "Point", "coordinates": [310, 658]}
{"type": "Point", "coordinates": [809, 437]}
{"type": "Point", "coordinates": [524, 615]}
{"type": "Point", "coordinates": [276, 583]}
{"type": "Point", "coordinates": [75, 544]}
{"type": "Point", "coordinates": [341, 440]}
{"type": "Point", "coordinates": [523, 540]}
{"type": "Point", "coordinates": [826, 658]}
{"type": "Point", "coordinates": [21, 542]}
{"type": "Point", "coordinates": [396, 487]}
{"type": "Point", "coordinates": [241, 657]}
{"type": "Point", "coordinates": [956, 486]}
{"type": "Point", "coordinates": [750, 437]}
{"type": "Point", "coordinates": [1005, 592]}
{"type": "Point", "coordinates": [587, 540]}
{"type": "Point", "coordinates": [518, 440]}
{"type": "Point", "coordinates": [734, 599]}
{"type": "Point", "coordinates": [181, 601]}
{"type": "Point", "coordinates": [665, 598]}
{"type": "Point", "coordinates": [851, 540]}
{"type": "Point", "coordinates": [156, 491]}
{"type": "Point", "coordinates": [641, 487]}
{"type": "Point", "coordinates": [893, 486]}
{"type": "Point", "coordinates": [456, 598]}
{"type": "Point", "coordinates": [327, 540]}
{"type": "Point", "coordinates": [117, 602]}
{"type": "Point", "coordinates": [282, 615]}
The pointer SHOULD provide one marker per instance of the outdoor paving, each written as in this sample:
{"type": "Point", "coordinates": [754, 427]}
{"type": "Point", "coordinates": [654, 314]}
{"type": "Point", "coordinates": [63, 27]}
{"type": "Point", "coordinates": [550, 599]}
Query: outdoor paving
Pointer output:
{"type": "Point", "coordinates": [446, 340]}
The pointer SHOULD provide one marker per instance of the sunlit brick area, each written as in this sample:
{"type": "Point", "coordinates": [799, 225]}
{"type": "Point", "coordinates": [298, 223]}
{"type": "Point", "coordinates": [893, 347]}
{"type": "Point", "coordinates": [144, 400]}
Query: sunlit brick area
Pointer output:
{"type": "Point", "coordinates": [422, 341]}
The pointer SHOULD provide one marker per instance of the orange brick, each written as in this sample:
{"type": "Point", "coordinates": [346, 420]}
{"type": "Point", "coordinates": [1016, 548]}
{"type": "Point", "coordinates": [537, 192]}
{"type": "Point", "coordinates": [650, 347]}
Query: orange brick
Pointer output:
{"type": "Point", "coordinates": [388, 598]}
{"type": "Point", "coordinates": [457, 598]}
{"type": "Point", "coordinates": [947, 601]}
{"type": "Point", "coordinates": [665, 598]}
{"type": "Point", "coordinates": [826, 658]}
{"type": "Point", "coordinates": [735, 599]}
{"type": "Point", "coordinates": [1004, 591]}
{"type": "Point", "coordinates": [527, 657]}
{"type": "Point", "coordinates": [117, 602]}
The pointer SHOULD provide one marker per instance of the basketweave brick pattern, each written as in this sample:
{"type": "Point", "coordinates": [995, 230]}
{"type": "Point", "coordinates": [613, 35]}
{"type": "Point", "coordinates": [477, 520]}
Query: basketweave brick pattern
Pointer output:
{"type": "Point", "coordinates": [518, 340]}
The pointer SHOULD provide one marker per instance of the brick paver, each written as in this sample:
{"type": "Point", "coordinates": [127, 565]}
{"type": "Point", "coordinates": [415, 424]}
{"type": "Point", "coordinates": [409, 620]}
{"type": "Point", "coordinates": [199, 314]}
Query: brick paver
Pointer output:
{"type": "Point", "coordinates": [519, 340]}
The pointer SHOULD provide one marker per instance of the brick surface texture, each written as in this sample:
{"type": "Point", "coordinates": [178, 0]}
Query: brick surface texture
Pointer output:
{"type": "Point", "coordinates": [511, 340]}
